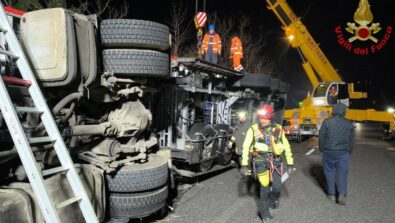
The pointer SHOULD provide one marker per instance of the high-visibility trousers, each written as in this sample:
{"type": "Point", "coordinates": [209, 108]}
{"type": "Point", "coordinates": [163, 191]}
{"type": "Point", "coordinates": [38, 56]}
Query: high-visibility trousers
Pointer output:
{"type": "Point", "coordinates": [236, 63]}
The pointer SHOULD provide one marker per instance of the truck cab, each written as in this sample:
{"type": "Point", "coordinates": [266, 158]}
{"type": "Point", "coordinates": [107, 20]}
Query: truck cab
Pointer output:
{"type": "Point", "coordinates": [330, 93]}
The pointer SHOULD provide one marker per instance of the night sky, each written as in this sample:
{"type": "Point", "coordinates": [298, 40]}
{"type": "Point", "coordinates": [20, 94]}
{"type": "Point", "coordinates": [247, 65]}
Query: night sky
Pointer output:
{"type": "Point", "coordinates": [375, 73]}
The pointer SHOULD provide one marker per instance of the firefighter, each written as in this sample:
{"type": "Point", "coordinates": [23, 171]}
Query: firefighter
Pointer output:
{"type": "Point", "coordinates": [211, 45]}
{"type": "Point", "coordinates": [236, 53]}
{"type": "Point", "coordinates": [264, 146]}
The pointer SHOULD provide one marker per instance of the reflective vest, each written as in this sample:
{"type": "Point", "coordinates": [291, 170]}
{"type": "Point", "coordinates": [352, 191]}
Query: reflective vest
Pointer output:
{"type": "Point", "coordinates": [269, 140]}
{"type": "Point", "coordinates": [215, 43]}
{"type": "Point", "coordinates": [236, 48]}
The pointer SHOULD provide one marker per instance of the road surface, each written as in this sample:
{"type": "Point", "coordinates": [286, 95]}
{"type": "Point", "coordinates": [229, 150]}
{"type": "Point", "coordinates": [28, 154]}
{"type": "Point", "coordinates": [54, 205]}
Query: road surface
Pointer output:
{"type": "Point", "coordinates": [229, 197]}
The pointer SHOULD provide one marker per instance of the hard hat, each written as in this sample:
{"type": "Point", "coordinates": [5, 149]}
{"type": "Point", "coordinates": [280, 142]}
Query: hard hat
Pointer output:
{"type": "Point", "coordinates": [211, 27]}
{"type": "Point", "coordinates": [265, 111]}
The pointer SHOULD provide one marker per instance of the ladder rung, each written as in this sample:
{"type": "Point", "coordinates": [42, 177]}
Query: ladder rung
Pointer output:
{"type": "Point", "coordinates": [16, 81]}
{"type": "Point", "coordinates": [27, 110]}
{"type": "Point", "coordinates": [68, 202]}
{"type": "Point", "coordinates": [8, 53]}
{"type": "Point", "coordinates": [37, 140]}
{"type": "Point", "coordinates": [54, 170]}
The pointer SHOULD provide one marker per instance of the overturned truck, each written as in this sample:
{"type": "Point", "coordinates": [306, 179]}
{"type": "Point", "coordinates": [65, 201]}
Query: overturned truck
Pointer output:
{"type": "Point", "coordinates": [130, 116]}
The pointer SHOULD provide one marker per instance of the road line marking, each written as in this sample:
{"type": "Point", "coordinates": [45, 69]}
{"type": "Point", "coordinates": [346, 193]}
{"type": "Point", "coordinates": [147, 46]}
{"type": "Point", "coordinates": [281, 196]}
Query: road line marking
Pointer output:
{"type": "Point", "coordinates": [310, 152]}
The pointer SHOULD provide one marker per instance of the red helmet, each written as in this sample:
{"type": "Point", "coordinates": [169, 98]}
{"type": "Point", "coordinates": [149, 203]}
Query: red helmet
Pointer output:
{"type": "Point", "coordinates": [265, 111]}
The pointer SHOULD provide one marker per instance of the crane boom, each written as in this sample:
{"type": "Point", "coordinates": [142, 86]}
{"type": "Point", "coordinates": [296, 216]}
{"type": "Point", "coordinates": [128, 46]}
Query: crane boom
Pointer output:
{"type": "Point", "coordinates": [301, 39]}
{"type": "Point", "coordinates": [307, 119]}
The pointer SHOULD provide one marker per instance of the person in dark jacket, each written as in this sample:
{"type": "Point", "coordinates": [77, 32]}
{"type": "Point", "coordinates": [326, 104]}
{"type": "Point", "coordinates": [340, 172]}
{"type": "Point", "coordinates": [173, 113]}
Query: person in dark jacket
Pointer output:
{"type": "Point", "coordinates": [336, 139]}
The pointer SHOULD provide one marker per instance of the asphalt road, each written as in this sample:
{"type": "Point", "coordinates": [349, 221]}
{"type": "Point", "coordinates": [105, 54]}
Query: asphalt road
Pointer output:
{"type": "Point", "coordinates": [229, 197]}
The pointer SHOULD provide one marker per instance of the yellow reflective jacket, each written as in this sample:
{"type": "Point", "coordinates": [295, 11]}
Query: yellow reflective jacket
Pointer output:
{"type": "Point", "coordinates": [256, 141]}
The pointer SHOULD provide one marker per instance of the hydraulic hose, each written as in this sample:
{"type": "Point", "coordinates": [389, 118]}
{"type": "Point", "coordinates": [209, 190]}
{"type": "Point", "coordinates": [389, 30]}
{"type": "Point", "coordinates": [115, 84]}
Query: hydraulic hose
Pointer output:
{"type": "Point", "coordinates": [66, 100]}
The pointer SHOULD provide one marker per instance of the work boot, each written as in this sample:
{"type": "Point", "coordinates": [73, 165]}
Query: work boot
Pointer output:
{"type": "Point", "coordinates": [331, 197]}
{"type": "Point", "coordinates": [341, 200]}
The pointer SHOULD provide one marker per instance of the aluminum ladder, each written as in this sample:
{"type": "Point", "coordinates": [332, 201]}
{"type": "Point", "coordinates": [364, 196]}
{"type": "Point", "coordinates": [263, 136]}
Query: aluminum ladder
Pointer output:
{"type": "Point", "coordinates": [23, 142]}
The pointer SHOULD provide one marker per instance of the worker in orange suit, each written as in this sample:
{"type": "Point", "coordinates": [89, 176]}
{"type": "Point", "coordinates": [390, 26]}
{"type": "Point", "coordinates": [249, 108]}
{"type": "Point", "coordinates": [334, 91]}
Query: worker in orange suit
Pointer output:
{"type": "Point", "coordinates": [211, 45]}
{"type": "Point", "coordinates": [236, 53]}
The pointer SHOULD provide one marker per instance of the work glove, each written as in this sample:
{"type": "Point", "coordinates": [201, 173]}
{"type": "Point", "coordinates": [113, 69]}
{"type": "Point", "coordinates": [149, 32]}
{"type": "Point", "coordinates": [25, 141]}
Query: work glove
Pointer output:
{"type": "Point", "coordinates": [245, 171]}
{"type": "Point", "coordinates": [290, 169]}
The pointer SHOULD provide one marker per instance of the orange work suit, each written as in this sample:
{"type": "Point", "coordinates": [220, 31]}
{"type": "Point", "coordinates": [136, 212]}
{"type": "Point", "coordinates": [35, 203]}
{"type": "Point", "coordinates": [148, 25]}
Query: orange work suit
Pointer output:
{"type": "Point", "coordinates": [236, 53]}
{"type": "Point", "coordinates": [211, 46]}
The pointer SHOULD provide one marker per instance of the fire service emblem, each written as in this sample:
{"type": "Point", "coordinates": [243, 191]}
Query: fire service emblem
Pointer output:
{"type": "Point", "coordinates": [363, 16]}
{"type": "Point", "coordinates": [363, 29]}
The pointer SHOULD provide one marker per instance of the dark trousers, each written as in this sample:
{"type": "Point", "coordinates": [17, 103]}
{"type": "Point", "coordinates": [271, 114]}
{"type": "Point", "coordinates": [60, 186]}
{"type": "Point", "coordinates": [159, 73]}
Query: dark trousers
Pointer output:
{"type": "Point", "coordinates": [211, 57]}
{"type": "Point", "coordinates": [267, 197]}
{"type": "Point", "coordinates": [336, 167]}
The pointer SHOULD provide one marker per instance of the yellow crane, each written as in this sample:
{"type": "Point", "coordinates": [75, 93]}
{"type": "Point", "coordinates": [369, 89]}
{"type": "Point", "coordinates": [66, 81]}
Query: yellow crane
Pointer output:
{"type": "Point", "coordinates": [329, 87]}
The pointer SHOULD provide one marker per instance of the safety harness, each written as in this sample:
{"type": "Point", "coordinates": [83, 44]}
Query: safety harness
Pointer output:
{"type": "Point", "coordinates": [269, 156]}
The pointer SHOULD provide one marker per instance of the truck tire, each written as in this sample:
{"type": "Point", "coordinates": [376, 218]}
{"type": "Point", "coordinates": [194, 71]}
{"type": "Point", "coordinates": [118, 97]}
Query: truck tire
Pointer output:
{"type": "Point", "coordinates": [128, 62]}
{"type": "Point", "coordinates": [133, 33]}
{"type": "Point", "coordinates": [222, 145]}
{"type": "Point", "coordinates": [139, 177]}
{"type": "Point", "coordinates": [205, 153]}
{"type": "Point", "coordinates": [137, 205]}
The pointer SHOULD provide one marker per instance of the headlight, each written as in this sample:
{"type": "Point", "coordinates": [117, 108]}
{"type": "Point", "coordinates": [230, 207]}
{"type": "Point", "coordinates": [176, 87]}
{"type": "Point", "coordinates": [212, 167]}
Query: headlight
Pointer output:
{"type": "Point", "coordinates": [318, 102]}
{"type": "Point", "coordinates": [390, 110]}
{"type": "Point", "coordinates": [242, 115]}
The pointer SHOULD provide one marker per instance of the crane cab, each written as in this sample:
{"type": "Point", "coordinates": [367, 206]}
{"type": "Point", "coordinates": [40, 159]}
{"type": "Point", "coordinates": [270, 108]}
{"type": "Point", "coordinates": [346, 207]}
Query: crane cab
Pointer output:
{"type": "Point", "coordinates": [330, 93]}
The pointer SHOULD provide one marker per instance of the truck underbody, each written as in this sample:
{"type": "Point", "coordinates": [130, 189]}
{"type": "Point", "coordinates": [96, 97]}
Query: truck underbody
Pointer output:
{"type": "Point", "coordinates": [130, 117]}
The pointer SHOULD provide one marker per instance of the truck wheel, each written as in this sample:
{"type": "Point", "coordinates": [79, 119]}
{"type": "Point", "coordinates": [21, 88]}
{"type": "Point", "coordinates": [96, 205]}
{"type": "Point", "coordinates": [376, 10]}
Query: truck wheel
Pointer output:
{"type": "Point", "coordinates": [139, 177]}
{"type": "Point", "coordinates": [134, 34]}
{"type": "Point", "coordinates": [224, 155]}
{"type": "Point", "coordinates": [222, 146]}
{"type": "Point", "coordinates": [128, 62]}
{"type": "Point", "coordinates": [206, 151]}
{"type": "Point", "coordinates": [206, 165]}
{"type": "Point", "coordinates": [299, 138]}
{"type": "Point", "coordinates": [137, 205]}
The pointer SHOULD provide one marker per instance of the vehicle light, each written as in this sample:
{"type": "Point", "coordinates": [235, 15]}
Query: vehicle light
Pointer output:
{"type": "Point", "coordinates": [242, 115]}
{"type": "Point", "coordinates": [390, 110]}
{"type": "Point", "coordinates": [318, 102]}
{"type": "Point", "coordinates": [287, 132]}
